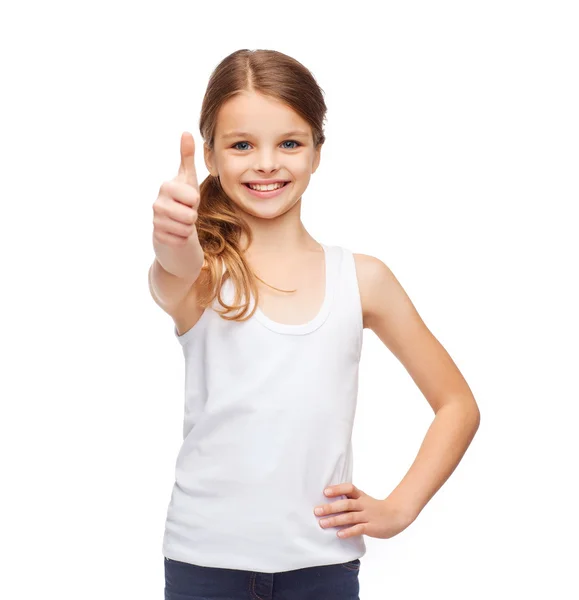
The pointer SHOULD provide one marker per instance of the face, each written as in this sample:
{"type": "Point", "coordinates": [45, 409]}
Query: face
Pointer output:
{"type": "Point", "coordinates": [274, 143]}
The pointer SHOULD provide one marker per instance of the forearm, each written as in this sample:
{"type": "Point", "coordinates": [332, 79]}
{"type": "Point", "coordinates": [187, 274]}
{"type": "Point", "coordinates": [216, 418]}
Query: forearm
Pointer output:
{"type": "Point", "coordinates": [444, 445]}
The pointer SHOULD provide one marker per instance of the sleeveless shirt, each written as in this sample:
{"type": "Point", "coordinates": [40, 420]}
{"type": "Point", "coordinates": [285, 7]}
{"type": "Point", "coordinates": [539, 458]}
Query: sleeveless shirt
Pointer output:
{"type": "Point", "coordinates": [268, 417]}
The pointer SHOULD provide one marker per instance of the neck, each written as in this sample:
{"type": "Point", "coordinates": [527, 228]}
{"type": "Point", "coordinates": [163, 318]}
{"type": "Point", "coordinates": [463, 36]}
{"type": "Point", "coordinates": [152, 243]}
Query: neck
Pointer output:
{"type": "Point", "coordinates": [281, 235]}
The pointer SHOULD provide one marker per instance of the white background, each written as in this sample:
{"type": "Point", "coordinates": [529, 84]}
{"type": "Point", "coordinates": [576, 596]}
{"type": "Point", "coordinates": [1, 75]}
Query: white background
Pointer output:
{"type": "Point", "coordinates": [452, 155]}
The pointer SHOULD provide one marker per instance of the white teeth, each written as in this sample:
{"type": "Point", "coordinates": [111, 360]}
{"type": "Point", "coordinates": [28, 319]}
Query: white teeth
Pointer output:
{"type": "Point", "coordinates": [266, 188]}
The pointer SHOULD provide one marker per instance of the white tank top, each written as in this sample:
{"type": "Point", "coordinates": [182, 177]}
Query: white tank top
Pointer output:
{"type": "Point", "coordinates": [269, 411]}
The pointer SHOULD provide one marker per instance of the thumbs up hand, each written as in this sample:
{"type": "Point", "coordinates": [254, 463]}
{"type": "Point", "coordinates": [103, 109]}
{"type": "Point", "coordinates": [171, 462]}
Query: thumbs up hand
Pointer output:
{"type": "Point", "coordinates": [175, 209]}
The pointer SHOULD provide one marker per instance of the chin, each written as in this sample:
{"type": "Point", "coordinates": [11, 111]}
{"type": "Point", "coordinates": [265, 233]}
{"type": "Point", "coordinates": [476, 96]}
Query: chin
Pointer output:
{"type": "Point", "coordinates": [264, 211]}
{"type": "Point", "coordinates": [272, 213]}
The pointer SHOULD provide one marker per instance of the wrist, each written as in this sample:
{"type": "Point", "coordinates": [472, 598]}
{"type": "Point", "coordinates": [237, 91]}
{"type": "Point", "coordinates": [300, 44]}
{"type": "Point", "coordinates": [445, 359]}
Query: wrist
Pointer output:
{"type": "Point", "coordinates": [406, 511]}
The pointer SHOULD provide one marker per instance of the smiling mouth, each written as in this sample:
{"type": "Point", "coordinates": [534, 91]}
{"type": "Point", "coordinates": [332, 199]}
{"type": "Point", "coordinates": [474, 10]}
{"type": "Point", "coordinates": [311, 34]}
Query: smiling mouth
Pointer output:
{"type": "Point", "coordinates": [248, 186]}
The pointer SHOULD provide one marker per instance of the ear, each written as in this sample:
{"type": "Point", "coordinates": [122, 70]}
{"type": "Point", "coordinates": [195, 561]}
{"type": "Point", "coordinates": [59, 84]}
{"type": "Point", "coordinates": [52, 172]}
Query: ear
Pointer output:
{"type": "Point", "coordinates": [317, 157]}
{"type": "Point", "coordinates": [209, 160]}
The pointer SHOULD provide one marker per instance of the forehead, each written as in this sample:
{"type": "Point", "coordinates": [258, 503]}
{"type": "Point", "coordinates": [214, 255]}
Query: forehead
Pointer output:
{"type": "Point", "coordinates": [259, 115]}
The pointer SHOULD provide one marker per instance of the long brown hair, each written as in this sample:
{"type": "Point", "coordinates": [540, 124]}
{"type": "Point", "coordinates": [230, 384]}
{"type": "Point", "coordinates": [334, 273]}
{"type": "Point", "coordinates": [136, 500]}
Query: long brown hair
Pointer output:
{"type": "Point", "coordinates": [219, 226]}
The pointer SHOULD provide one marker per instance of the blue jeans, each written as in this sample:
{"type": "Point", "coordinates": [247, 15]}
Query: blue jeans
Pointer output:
{"type": "Point", "coordinates": [185, 581]}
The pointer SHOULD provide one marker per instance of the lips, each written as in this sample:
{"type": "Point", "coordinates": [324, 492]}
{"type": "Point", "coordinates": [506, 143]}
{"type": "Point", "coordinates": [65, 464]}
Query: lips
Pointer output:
{"type": "Point", "coordinates": [248, 183]}
{"type": "Point", "coordinates": [270, 183]}
{"type": "Point", "coordinates": [268, 193]}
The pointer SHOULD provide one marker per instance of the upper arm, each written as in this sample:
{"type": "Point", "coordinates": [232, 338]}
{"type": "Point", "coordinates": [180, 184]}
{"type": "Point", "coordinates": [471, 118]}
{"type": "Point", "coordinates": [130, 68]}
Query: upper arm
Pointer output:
{"type": "Point", "coordinates": [389, 312]}
{"type": "Point", "coordinates": [177, 297]}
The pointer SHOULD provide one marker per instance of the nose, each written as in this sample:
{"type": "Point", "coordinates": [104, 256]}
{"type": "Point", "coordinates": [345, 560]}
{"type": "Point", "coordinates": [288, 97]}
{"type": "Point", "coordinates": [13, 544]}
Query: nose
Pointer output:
{"type": "Point", "coordinates": [267, 161]}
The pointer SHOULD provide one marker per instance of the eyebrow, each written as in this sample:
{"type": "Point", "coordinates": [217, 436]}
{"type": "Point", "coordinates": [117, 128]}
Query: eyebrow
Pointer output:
{"type": "Point", "coordinates": [295, 133]}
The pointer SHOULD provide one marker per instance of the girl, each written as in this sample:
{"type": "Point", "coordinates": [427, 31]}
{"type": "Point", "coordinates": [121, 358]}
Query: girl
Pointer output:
{"type": "Point", "coordinates": [271, 322]}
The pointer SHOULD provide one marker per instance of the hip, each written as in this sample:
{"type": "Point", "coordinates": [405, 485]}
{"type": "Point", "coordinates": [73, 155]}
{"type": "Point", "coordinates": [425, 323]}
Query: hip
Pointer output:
{"type": "Point", "coordinates": [186, 581]}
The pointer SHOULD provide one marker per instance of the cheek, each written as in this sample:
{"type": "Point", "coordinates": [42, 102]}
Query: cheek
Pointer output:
{"type": "Point", "coordinates": [232, 165]}
{"type": "Point", "coordinates": [304, 166]}
{"type": "Point", "coordinates": [297, 168]}
{"type": "Point", "coordinates": [303, 174]}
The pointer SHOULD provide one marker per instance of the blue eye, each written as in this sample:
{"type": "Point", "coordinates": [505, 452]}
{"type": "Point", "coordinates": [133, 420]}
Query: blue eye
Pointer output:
{"type": "Point", "coordinates": [286, 148]}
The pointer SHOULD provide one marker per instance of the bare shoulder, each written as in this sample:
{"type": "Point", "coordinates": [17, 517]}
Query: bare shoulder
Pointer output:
{"type": "Point", "coordinates": [186, 314]}
{"type": "Point", "coordinates": [377, 284]}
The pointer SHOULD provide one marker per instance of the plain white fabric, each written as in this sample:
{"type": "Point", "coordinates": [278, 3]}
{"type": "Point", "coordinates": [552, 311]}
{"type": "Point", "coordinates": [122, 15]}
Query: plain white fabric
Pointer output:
{"type": "Point", "coordinates": [268, 417]}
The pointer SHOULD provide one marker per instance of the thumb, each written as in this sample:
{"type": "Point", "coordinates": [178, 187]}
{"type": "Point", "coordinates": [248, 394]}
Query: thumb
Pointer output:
{"type": "Point", "coordinates": [187, 172]}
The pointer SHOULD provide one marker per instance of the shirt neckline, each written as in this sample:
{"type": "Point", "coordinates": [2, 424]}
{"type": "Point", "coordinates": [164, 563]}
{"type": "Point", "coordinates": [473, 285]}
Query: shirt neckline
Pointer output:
{"type": "Point", "coordinates": [319, 319]}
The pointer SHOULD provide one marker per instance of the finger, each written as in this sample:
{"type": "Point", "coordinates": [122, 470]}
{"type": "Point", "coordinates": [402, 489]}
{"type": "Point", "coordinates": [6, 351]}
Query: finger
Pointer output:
{"type": "Point", "coordinates": [343, 489]}
{"type": "Point", "coordinates": [352, 531]}
{"type": "Point", "coordinates": [187, 172]}
{"type": "Point", "coordinates": [336, 507]}
{"type": "Point", "coordinates": [346, 519]}
{"type": "Point", "coordinates": [180, 192]}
